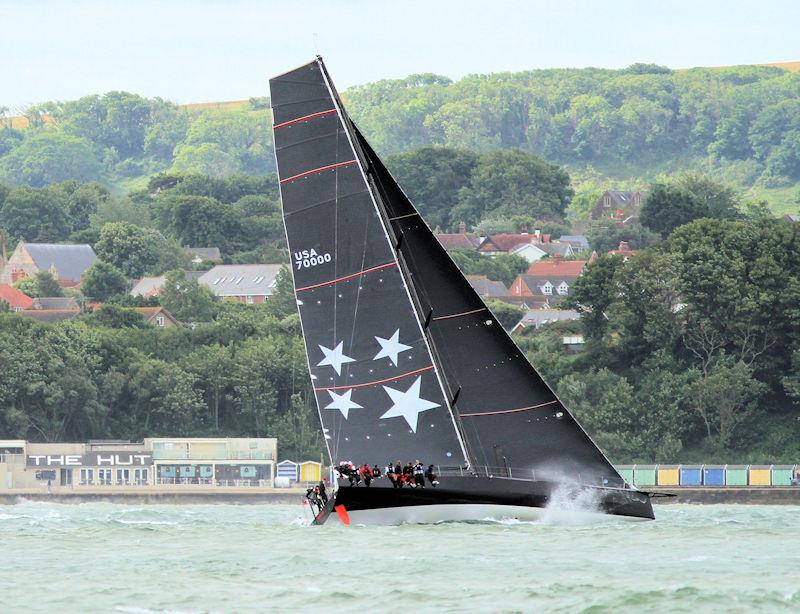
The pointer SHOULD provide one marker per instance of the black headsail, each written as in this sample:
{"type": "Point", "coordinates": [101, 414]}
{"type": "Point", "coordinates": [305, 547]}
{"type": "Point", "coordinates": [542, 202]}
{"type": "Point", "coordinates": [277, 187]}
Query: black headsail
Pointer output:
{"type": "Point", "coordinates": [379, 395]}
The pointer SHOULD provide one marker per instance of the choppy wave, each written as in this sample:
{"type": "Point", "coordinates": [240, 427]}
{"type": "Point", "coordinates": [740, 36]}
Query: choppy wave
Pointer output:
{"type": "Point", "coordinates": [220, 558]}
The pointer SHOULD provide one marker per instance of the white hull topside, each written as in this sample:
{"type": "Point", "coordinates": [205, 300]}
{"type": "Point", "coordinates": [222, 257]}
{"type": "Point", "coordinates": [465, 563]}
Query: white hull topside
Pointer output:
{"type": "Point", "coordinates": [465, 512]}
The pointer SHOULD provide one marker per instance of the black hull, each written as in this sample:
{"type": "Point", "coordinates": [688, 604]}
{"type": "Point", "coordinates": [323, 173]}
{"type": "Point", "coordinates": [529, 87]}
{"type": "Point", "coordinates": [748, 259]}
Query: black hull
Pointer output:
{"type": "Point", "coordinates": [507, 497]}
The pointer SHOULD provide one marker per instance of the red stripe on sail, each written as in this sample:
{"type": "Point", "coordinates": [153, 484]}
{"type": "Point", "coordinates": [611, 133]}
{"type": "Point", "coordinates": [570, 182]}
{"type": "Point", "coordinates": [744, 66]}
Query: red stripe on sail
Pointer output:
{"type": "Point", "coordinates": [346, 277]}
{"type": "Point", "coordinates": [380, 381]}
{"type": "Point", "coordinates": [304, 118]}
{"type": "Point", "coordinates": [507, 411]}
{"type": "Point", "coordinates": [318, 170]}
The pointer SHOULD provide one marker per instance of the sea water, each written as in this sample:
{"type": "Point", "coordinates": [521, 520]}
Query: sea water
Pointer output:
{"type": "Point", "coordinates": [102, 557]}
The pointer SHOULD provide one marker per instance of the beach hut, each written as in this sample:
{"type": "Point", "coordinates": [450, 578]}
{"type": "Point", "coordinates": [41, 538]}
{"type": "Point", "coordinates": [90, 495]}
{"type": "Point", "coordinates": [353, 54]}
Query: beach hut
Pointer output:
{"type": "Point", "coordinates": [735, 475]}
{"type": "Point", "coordinates": [713, 475]}
{"type": "Point", "coordinates": [288, 469]}
{"type": "Point", "coordinates": [644, 475]}
{"type": "Point", "coordinates": [760, 475]}
{"type": "Point", "coordinates": [310, 471]}
{"type": "Point", "coordinates": [782, 475]}
{"type": "Point", "coordinates": [626, 471]}
{"type": "Point", "coordinates": [668, 475]}
{"type": "Point", "coordinates": [691, 476]}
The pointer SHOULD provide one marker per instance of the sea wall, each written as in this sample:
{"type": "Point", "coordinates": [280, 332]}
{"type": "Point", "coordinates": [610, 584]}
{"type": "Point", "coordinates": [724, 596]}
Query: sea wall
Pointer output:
{"type": "Point", "coordinates": [773, 495]}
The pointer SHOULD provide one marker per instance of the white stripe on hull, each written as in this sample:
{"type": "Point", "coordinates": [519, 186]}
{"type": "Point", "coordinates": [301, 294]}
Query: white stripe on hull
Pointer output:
{"type": "Point", "coordinates": [458, 512]}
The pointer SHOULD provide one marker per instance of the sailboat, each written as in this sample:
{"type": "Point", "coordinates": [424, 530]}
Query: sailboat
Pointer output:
{"type": "Point", "coordinates": [407, 362]}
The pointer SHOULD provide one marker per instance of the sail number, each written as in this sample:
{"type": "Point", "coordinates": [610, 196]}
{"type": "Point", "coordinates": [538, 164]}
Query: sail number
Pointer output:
{"type": "Point", "coordinates": [309, 257]}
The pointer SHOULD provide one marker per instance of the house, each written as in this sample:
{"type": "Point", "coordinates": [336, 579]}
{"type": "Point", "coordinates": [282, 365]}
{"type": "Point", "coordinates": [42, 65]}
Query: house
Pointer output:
{"type": "Point", "coordinates": [621, 206]}
{"type": "Point", "coordinates": [55, 303]}
{"type": "Point", "coordinates": [792, 218]}
{"type": "Point", "coordinates": [151, 286]}
{"type": "Point", "coordinates": [15, 299]}
{"type": "Point", "coordinates": [547, 279]}
{"type": "Point", "coordinates": [245, 283]}
{"type": "Point", "coordinates": [66, 263]}
{"type": "Point", "coordinates": [534, 318]}
{"type": "Point", "coordinates": [50, 315]}
{"type": "Point", "coordinates": [199, 255]}
{"type": "Point", "coordinates": [532, 247]}
{"type": "Point", "coordinates": [157, 317]}
{"type": "Point", "coordinates": [487, 288]}
{"type": "Point", "coordinates": [579, 243]}
{"type": "Point", "coordinates": [460, 239]}
{"type": "Point", "coordinates": [624, 250]}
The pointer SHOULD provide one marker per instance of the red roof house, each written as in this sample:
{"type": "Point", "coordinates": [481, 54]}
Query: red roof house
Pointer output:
{"type": "Point", "coordinates": [17, 300]}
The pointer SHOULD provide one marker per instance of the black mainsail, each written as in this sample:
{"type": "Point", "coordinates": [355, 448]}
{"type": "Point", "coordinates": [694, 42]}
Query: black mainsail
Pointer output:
{"type": "Point", "coordinates": [406, 359]}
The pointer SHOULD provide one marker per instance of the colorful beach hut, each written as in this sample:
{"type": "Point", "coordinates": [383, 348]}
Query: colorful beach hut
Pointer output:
{"type": "Point", "coordinates": [691, 476]}
{"type": "Point", "coordinates": [310, 471]}
{"type": "Point", "coordinates": [760, 475]}
{"type": "Point", "coordinates": [735, 475]}
{"type": "Point", "coordinates": [782, 475]}
{"type": "Point", "coordinates": [626, 472]}
{"type": "Point", "coordinates": [713, 475]}
{"type": "Point", "coordinates": [668, 475]}
{"type": "Point", "coordinates": [288, 469]}
{"type": "Point", "coordinates": [644, 475]}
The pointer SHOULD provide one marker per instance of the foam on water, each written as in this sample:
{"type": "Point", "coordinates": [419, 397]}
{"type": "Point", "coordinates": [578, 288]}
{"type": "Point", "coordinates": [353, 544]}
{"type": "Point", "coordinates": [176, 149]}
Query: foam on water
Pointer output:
{"type": "Point", "coordinates": [249, 558]}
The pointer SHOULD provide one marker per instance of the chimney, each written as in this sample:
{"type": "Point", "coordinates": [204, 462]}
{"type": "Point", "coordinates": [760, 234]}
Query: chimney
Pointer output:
{"type": "Point", "coordinates": [537, 232]}
{"type": "Point", "coordinates": [557, 259]}
{"type": "Point", "coordinates": [481, 232]}
{"type": "Point", "coordinates": [624, 246]}
{"type": "Point", "coordinates": [545, 238]}
{"type": "Point", "coordinates": [462, 228]}
{"type": "Point", "coordinates": [523, 229]}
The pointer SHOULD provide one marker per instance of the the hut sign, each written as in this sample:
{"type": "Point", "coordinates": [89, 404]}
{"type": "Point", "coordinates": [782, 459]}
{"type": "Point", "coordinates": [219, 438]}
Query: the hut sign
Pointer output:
{"type": "Point", "coordinates": [94, 459]}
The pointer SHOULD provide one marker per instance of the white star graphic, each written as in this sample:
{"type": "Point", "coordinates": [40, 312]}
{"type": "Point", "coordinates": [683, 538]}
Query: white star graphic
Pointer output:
{"type": "Point", "coordinates": [342, 402]}
{"type": "Point", "coordinates": [391, 347]}
{"type": "Point", "coordinates": [408, 404]}
{"type": "Point", "coordinates": [334, 357]}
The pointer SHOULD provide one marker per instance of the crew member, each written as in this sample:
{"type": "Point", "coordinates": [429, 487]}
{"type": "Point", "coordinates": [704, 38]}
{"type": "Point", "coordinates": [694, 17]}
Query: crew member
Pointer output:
{"type": "Point", "coordinates": [419, 474]}
{"type": "Point", "coordinates": [432, 477]}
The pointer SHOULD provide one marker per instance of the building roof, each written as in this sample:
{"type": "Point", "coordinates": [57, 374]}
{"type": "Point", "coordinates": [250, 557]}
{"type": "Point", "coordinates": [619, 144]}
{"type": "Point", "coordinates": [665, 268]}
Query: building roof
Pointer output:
{"type": "Point", "coordinates": [486, 287]}
{"type": "Point", "coordinates": [71, 261]}
{"type": "Point", "coordinates": [58, 303]}
{"type": "Point", "coordinates": [149, 314]}
{"type": "Point", "coordinates": [14, 297]}
{"type": "Point", "coordinates": [241, 279]}
{"type": "Point", "coordinates": [791, 217]}
{"type": "Point", "coordinates": [458, 240]}
{"type": "Point", "coordinates": [506, 242]}
{"type": "Point", "coordinates": [536, 283]}
{"type": "Point", "coordinates": [204, 253]}
{"type": "Point", "coordinates": [576, 241]}
{"type": "Point", "coordinates": [537, 317]}
{"type": "Point", "coordinates": [150, 286]}
{"type": "Point", "coordinates": [557, 268]}
{"type": "Point", "coordinates": [50, 315]}
{"type": "Point", "coordinates": [556, 249]}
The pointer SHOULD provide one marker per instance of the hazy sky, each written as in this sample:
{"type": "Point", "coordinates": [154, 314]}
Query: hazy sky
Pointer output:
{"type": "Point", "coordinates": [207, 50]}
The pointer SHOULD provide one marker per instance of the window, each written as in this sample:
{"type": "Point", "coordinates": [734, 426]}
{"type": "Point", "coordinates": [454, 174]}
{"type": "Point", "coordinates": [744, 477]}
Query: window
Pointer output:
{"type": "Point", "coordinates": [249, 299]}
{"type": "Point", "coordinates": [547, 288]}
{"type": "Point", "coordinates": [160, 321]}
{"type": "Point", "coordinates": [104, 475]}
{"type": "Point", "coordinates": [140, 476]}
{"type": "Point", "coordinates": [563, 288]}
{"type": "Point", "coordinates": [87, 476]}
{"type": "Point", "coordinates": [123, 476]}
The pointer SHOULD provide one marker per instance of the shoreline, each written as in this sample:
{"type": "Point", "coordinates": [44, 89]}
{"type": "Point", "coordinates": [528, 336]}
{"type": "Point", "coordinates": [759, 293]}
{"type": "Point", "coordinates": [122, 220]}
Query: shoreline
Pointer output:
{"type": "Point", "coordinates": [746, 495]}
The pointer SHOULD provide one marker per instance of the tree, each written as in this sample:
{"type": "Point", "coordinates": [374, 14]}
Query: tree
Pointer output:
{"type": "Point", "coordinates": [115, 316]}
{"type": "Point", "coordinates": [34, 214]}
{"type": "Point", "coordinates": [513, 182]}
{"type": "Point", "coordinates": [50, 156]}
{"type": "Point", "coordinates": [213, 366]}
{"type": "Point", "coordinates": [39, 284]}
{"type": "Point", "coordinates": [503, 267]}
{"type": "Point", "coordinates": [103, 280]}
{"type": "Point", "coordinates": [592, 295]}
{"type": "Point", "coordinates": [135, 250]}
{"type": "Point", "coordinates": [432, 178]}
{"type": "Point", "coordinates": [688, 197]}
{"type": "Point", "coordinates": [186, 299]}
